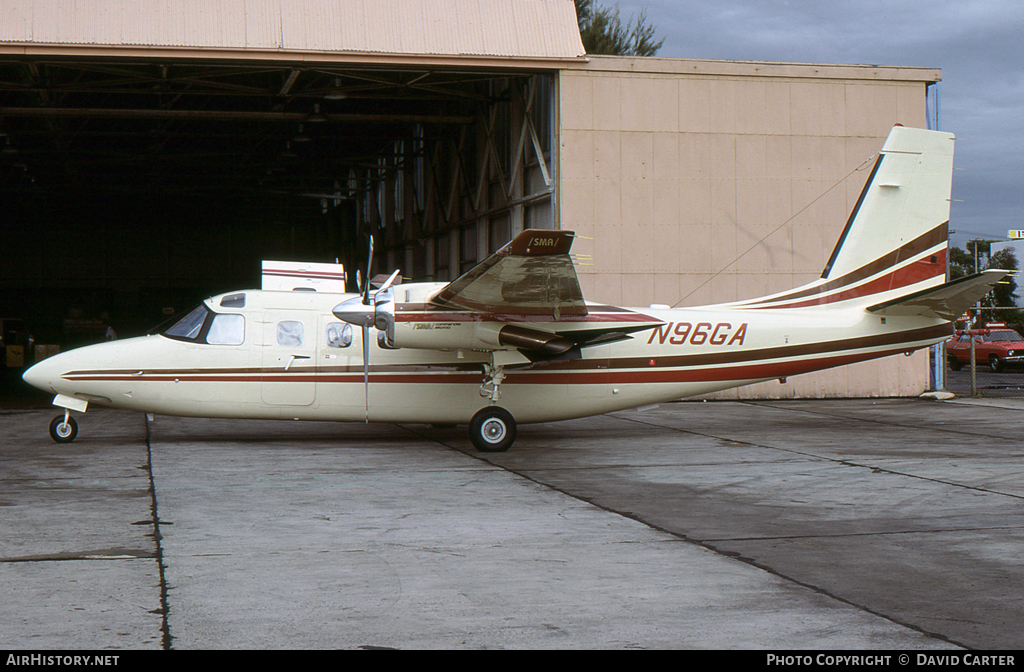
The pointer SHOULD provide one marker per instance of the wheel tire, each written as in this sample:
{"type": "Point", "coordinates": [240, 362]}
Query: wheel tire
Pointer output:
{"type": "Point", "coordinates": [62, 432]}
{"type": "Point", "coordinates": [492, 430]}
{"type": "Point", "coordinates": [955, 364]}
{"type": "Point", "coordinates": [995, 364]}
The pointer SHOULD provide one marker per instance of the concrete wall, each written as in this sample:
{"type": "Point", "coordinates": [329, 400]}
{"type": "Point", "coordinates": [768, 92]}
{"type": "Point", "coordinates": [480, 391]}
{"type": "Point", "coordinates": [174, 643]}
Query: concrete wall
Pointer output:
{"type": "Point", "coordinates": [671, 169]}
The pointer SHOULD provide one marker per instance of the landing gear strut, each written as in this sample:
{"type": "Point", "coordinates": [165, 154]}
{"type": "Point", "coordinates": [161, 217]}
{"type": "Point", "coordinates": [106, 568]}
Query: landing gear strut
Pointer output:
{"type": "Point", "coordinates": [492, 430]}
{"type": "Point", "coordinates": [63, 428]}
{"type": "Point", "coordinates": [491, 387]}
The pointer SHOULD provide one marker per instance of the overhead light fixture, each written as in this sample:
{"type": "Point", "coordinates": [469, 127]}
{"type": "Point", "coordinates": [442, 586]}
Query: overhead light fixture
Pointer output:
{"type": "Point", "coordinates": [335, 92]}
{"type": "Point", "coordinates": [317, 117]}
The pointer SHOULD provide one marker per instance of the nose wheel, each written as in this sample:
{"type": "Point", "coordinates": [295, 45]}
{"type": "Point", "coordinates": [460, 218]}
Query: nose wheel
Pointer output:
{"type": "Point", "coordinates": [492, 430]}
{"type": "Point", "coordinates": [63, 428]}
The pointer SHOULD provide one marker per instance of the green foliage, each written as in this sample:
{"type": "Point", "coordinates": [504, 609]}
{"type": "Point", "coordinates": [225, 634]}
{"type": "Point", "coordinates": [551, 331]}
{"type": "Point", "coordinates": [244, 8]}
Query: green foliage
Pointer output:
{"type": "Point", "coordinates": [603, 32]}
{"type": "Point", "coordinates": [1004, 295]}
{"type": "Point", "coordinates": [961, 263]}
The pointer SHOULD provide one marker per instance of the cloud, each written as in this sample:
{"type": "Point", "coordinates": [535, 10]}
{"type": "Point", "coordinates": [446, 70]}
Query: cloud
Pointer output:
{"type": "Point", "coordinates": [976, 44]}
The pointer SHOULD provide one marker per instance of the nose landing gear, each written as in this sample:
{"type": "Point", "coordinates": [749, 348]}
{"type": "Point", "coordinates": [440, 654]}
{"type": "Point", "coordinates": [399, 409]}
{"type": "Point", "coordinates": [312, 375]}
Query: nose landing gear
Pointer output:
{"type": "Point", "coordinates": [63, 428]}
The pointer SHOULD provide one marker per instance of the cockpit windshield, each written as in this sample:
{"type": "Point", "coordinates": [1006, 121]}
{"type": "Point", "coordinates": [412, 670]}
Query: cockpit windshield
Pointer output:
{"type": "Point", "coordinates": [202, 325]}
{"type": "Point", "coordinates": [188, 327]}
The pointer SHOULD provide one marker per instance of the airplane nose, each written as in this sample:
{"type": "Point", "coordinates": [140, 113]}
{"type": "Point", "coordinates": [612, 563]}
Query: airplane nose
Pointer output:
{"type": "Point", "coordinates": [41, 375]}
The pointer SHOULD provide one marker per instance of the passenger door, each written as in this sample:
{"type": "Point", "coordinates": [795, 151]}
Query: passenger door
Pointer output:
{"type": "Point", "coordinates": [289, 358]}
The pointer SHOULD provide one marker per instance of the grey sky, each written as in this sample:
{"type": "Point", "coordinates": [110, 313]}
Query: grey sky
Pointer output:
{"type": "Point", "coordinates": [976, 43]}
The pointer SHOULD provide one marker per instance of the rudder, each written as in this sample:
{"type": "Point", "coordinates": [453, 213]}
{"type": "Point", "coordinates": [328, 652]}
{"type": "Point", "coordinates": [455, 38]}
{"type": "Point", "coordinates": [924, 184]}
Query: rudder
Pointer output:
{"type": "Point", "coordinates": [899, 225]}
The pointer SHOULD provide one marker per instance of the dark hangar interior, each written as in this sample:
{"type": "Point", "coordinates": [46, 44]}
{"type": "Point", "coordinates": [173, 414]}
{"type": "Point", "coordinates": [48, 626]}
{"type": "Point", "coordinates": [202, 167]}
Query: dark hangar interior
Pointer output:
{"type": "Point", "coordinates": [134, 188]}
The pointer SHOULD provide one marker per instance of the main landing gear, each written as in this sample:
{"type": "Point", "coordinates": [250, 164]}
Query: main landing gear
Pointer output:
{"type": "Point", "coordinates": [63, 428]}
{"type": "Point", "coordinates": [492, 430]}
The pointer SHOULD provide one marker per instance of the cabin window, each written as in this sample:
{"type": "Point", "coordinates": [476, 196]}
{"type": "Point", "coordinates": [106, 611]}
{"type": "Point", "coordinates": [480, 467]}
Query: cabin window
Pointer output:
{"type": "Point", "coordinates": [226, 329]}
{"type": "Point", "coordinates": [339, 335]}
{"type": "Point", "coordinates": [289, 333]}
{"type": "Point", "coordinates": [189, 326]}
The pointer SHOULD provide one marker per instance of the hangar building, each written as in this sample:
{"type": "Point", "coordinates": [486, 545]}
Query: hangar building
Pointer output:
{"type": "Point", "coordinates": [152, 153]}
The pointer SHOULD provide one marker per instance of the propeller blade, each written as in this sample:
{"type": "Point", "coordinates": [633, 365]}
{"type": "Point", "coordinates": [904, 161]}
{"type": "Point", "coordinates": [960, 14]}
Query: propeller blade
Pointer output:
{"type": "Point", "coordinates": [366, 371]}
{"type": "Point", "coordinates": [389, 280]}
{"type": "Point", "coordinates": [366, 278]}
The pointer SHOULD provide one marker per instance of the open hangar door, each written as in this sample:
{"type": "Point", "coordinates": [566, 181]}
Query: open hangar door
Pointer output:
{"type": "Point", "coordinates": [133, 188]}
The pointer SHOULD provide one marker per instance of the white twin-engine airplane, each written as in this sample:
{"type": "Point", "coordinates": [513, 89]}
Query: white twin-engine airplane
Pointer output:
{"type": "Point", "coordinates": [513, 341]}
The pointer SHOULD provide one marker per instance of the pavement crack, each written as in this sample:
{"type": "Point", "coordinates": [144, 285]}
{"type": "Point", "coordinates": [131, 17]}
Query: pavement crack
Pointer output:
{"type": "Point", "coordinates": [850, 535]}
{"type": "Point", "coordinates": [97, 554]}
{"type": "Point", "coordinates": [165, 630]}
{"type": "Point", "coordinates": [835, 460]}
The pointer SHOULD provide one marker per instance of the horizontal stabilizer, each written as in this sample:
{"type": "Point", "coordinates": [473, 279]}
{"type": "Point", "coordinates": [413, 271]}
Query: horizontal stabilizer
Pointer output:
{"type": "Point", "coordinates": [947, 301]}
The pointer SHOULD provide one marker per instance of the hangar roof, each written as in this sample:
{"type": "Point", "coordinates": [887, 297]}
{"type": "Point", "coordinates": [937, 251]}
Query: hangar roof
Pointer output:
{"type": "Point", "coordinates": [477, 31]}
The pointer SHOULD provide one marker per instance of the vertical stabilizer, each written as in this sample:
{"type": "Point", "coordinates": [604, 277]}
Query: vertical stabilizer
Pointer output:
{"type": "Point", "coordinates": [895, 240]}
{"type": "Point", "coordinates": [903, 210]}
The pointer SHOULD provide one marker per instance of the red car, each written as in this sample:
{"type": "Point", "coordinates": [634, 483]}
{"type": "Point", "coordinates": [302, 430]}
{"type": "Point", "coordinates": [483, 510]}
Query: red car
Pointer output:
{"type": "Point", "coordinates": [996, 345]}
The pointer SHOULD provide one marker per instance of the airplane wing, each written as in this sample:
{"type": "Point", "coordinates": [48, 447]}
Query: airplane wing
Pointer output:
{"type": "Point", "coordinates": [947, 301]}
{"type": "Point", "coordinates": [529, 290]}
{"type": "Point", "coordinates": [531, 276]}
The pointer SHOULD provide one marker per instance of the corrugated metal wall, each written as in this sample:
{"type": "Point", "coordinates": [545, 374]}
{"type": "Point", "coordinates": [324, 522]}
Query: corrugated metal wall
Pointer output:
{"type": "Point", "coordinates": [494, 28]}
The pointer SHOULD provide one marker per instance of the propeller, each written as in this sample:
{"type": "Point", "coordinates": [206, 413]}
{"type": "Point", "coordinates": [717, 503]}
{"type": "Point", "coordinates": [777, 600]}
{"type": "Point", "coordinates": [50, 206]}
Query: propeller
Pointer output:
{"type": "Point", "coordinates": [365, 311]}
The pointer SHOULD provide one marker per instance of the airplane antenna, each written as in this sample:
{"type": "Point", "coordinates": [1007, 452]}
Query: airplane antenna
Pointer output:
{"type": "Point", "coordinates": [859, 168]}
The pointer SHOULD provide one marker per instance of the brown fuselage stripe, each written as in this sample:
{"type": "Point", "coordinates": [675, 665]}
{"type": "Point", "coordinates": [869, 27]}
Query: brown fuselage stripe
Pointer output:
{"type": "Point", "coordinates": [925, 241]}
{"type": "Point", "coordinates": [651, 368]}
{"type": "Point", "coordinates": [658, 374]}
{"type": "Point", "coordinates": [919, 271]}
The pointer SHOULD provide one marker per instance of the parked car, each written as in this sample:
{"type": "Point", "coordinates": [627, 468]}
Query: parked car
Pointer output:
{"type": "Point", "coordinates": [996, 345]}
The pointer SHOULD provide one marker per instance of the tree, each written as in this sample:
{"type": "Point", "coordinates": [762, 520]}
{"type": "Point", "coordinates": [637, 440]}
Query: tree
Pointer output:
{"type": "Point", "coordinates": [602, 31]}
{"type": "Point", "coordinates": [970, 260]}
{"type": "Point", "coordinates": [961, 263]}
{"type": "Point", "coordinates": [1003, 295]}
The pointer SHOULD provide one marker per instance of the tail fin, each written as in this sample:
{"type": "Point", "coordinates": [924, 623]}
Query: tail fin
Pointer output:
{"type": "Point", "coordinates": [895, 241]}
{"type": "Point", "coordinates": [903, 211]}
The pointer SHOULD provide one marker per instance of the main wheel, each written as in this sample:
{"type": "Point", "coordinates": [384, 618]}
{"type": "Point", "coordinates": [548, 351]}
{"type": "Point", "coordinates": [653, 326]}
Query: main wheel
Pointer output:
{"type": "Point", "coordinates": [61, 431]}
{"type": "Point", "coordinates": [995, 364]}
{"type": "Point", "coordinates": [492, 430]}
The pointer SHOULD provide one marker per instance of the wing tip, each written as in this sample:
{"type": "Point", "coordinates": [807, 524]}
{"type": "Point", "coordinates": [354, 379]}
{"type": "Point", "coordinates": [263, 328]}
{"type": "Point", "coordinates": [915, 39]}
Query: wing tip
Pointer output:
{"type": "Point", "coordinates": [541, 242]}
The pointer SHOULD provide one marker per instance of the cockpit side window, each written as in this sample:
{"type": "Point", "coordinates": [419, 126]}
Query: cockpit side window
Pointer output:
{"type": "Point", "coordinates": [226, 329]}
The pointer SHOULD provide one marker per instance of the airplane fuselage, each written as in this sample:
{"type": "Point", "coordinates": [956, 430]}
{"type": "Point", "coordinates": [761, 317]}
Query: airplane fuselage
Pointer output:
{"type": "Point", "coordinates": [513, 340]}
{"type": "Point", "coordinates": [284, 358]}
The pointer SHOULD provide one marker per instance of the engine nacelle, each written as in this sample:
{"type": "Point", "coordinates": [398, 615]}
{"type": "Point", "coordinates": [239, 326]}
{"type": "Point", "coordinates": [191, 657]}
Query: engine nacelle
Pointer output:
{"type": "Point", "coordinates": [471, 335]}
